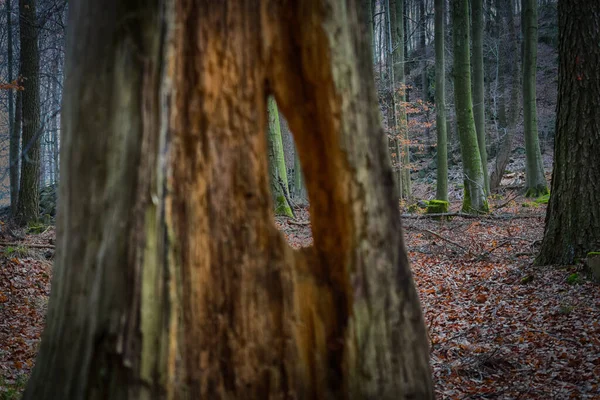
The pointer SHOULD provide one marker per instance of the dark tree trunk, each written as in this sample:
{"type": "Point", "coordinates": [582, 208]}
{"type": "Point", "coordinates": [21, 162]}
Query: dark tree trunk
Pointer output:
{"type": "Point", "coordinates": [171, 281]}
{"type": "Point", "coordinates": [573, 216]}
{"type": "Point", "coordinates": [14, 136]}
{"type": "Point", "coordinates": [28, 201]}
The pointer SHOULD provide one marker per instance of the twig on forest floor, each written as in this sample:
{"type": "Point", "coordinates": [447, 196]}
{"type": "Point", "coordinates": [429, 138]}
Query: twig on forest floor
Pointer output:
{"type": "Point", "coordinates": [507, 202]}
{"type": "Point", "coordinates": [441, 237]}
{"type": "Point", "coordinates": [488, 252]}
{"type": "Point", "coordinates": [34, 246]}
{"type": "Point", "coordinates": [301, 223]}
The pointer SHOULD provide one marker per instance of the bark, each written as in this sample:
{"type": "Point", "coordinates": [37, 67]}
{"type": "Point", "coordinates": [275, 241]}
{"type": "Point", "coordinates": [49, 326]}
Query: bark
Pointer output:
{"type": "Point", "coordinates": [511, 64]}
{"type": "Point", "coordinates": [474, 189]}
{"type": "Point", "coordinates": [440, 104]}
{"type": "Point", "coordinates": [277, 169]}
{"type": "Point", "coordinates": [171, 281]}
{"type": "Point", "coordinates": [478, 86]}
{"type": "Point", "coordinates": [534, 171]}
{"type": "Point", "coordinates": [573, 216]}
{"type": "Point", "coordinates": [28, 199]}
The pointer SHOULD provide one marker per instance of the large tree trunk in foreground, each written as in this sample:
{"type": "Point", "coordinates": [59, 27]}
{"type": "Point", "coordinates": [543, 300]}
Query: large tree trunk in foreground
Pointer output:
{"type": "Point", "coordinates": [28, 200]}
{"type": "Point", "coordinates": [474, 191]}
{"type": "Point", "coordinates": [534, 166]}
{"type": "Point", "coordinates": [573, 216]}
{"type": "Point", "coordinates": [171, 280]}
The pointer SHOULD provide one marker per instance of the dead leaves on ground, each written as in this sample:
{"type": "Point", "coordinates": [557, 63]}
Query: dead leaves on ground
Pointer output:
{"type": "Point", "coordinates": [499, 327]}
{"type": "Point", "coordinates": [24, 291]}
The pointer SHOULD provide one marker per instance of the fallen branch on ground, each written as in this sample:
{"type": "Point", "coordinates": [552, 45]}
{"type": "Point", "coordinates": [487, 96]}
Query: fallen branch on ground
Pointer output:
{"type": "Point", "coordinates": [439, 236]}
{"type": "Point", "coordinates": [35, 246]}
{"type": "Point", "coordinates": [474, 216]}
{"type": "Point", "coordinates": [301, 223]}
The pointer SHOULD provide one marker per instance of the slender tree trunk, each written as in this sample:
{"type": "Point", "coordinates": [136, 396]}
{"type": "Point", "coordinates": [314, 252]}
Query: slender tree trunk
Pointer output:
{"type": "Point", "coordinates": [536, 181]}
{"type": "Point", "coordinates": [423, 50]}
{"type": "Point", "coordinates": [474, 189]}
{"type": "Point", "coordinates": [401, 133]}
{"type": "Point", "coordinates": [15, 144]}
{"type": "Point", "coordinates": [511, 63]}
{"type": "Point", "coordinates": [28, 201]}
{"type": "Point", "coordinates": [478, 85]}
{"type": "Point", "coordinates": [403, 139]}
{"type": "Point", "coordinates": [171, 281]}
{"type": "Point", "coordinates": [299, 189]}
{"type": "Point", "coordinates": [440, 104]}
{"type": "Point", "coordinates": [14, 134]}
{"type": "Point", "coordinates": [277, 169]}
{"type": "Point", "coordinates": [367, 10]}
{"type": "Point", "coordinates": [573, 216]}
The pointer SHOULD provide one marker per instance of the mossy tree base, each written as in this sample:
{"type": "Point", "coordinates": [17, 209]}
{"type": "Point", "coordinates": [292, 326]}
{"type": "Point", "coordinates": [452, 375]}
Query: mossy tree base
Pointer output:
{"type": "Point", "coordinates": [437, 207]}
{"type": "Point", "coordinates": [537, 191]}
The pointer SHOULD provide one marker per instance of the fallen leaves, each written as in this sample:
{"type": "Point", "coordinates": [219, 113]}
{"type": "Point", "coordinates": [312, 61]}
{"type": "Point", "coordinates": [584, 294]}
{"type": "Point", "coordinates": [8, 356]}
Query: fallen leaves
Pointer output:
{"type": "Point", "coordinates": [24, 290]}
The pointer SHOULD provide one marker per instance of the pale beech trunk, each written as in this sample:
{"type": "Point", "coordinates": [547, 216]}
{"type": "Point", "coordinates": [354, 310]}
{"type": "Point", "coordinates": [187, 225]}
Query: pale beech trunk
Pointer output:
{"type": "Point", "coordinates": [403, 141]}
{"type": "Point", "coordinates": [478, 86]}
{"type": "Point", "coordinates": [511, 63]}
{"type": "Point", "coordinates": [171, 280]}
{"type": "Point", "coordinates": [534, 166]}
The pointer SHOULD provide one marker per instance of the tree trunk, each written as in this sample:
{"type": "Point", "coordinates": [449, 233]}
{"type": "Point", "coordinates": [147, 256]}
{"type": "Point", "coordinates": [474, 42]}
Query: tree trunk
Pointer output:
{"type": "Point", "coordinates": [511, 64]}
{"type": "Point", "coordinates": [534, 171]}
{"type": "Point", "coordinates": [15, 153]}
{"type": "Point", "coordinates": [478, 86]}
{"type": "Point", "coordinates": [403, 140]}
{"type": "Point", "coordinates": [474, 189]}
{"type": "Point", "coordinates": [423, 50]}
{"type": "Point", "coordinates": [14, 140]}
{"type": "Point", "coordinates": [299, 189]}
{"type": "Point", "coordinates": [28, 199]}
{"type": "Point", "coordinates": [440, 104]}
{"type": "Point", "coordinates": [277, 170]}
{"type": "Point", "coordinates": [171, 281]}
{"type": "Point", "coordinates": [367, 14]}
{"type": "Point", "coordinates": [573, 216]}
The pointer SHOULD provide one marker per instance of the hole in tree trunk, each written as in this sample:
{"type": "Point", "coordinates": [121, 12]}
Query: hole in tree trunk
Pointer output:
{"type": "Point", "coordinates": [290, 201]}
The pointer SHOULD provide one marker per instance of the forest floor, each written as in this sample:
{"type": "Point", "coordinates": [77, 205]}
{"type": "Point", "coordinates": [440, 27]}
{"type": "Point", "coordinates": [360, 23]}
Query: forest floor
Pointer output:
{"type": "Point", "coordinates": [498, 327]}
